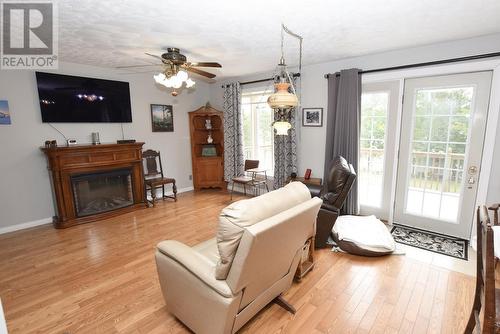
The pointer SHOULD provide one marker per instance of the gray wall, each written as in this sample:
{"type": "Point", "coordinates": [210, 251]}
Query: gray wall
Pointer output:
{"type": "Point", "coordinates": [314, 92]}
{"type": "Point", "coordinates": [25, 193]}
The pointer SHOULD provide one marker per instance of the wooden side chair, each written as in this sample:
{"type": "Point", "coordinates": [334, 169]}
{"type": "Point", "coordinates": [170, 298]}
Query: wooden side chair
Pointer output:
{"type": "Point", "coordinates": [245, 179]}
{"type": "Point", "coordinates": [153, 176]}
{"type": "Point", "coordinates": [484, 317]}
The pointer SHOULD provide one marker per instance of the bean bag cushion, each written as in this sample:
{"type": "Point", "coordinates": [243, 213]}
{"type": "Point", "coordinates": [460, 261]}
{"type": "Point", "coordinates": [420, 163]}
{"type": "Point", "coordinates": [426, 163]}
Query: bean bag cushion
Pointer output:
{"type": "Point", "coordinates": [363, 235]}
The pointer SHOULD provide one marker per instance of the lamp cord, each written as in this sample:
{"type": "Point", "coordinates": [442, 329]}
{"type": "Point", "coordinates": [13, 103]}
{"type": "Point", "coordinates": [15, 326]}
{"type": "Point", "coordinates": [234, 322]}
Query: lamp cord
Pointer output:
{"type": "Point", "coordinates": [62, 134]}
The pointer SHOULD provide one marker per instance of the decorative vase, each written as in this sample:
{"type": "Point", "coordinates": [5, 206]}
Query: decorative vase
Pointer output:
{"type": "Point", "coordinates": [210, 140]}
{"type": "Point", "coordinates": [208, 124]}
{"type": "Point", "coordinates": [282, 99]}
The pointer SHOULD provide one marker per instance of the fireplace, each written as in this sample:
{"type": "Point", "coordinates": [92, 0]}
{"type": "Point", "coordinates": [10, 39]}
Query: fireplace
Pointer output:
{"type": "Point", "coordinates": [94, 182]}
{"type": "Point", "coordinates": [101, 192]}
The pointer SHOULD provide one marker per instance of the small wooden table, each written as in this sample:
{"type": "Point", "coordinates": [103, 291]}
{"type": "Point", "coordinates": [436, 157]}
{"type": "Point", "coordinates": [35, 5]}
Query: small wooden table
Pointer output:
{"type": "Point", "coordinates": [313, 180]}
{"type": "Point", "coordinates": [306, 263]}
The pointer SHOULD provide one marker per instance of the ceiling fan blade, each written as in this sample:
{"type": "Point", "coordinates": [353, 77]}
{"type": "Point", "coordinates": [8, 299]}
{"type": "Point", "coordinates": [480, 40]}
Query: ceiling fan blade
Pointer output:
{"type": "Point", "coordinates": [152, 55]}
{"type": "Point", "coordinates": [200, 72]}
{"type": "Point", "coordinates": [131, 66]}
{"type": "Point", "coordinates": [205, 64]}
{"type": "Point", "coordinates": [137, 72]}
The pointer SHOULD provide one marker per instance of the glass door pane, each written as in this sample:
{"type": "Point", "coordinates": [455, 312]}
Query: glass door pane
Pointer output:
{"type": "Point", "coordinates": [374, 110]}
{"type": "Point", "coordinates": [379, 109]}
{"type": "Point", "coordinates": [441, 126]}
{"type": "Point", "coordinates": [442, 135]}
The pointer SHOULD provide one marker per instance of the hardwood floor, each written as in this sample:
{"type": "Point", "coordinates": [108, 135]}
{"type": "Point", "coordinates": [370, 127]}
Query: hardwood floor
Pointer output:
{"type": "Point", "coordinates": [101, 278]}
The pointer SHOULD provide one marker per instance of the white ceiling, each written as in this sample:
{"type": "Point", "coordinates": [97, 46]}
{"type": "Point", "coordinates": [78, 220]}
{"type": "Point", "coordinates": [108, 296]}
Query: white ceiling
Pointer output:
{"type": "Point", "coordinates": [244, 36]}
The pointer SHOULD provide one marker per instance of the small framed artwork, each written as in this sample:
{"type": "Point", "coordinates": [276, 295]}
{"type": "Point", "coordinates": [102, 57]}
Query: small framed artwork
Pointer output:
{"type": "Point", "coordinates": [162, 118]}
{"type": "Point", "coordinates": [312, 117]}
{"type": "Point", "coordinates": [4, 112]}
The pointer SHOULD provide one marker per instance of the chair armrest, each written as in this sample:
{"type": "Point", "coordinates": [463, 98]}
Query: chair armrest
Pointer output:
{"type": "Point", "coordinates": [330, 207]}
{"type": "Point", "coordinates": [194, 262]}
{"type": "Point", "coordinates": [314, 189]}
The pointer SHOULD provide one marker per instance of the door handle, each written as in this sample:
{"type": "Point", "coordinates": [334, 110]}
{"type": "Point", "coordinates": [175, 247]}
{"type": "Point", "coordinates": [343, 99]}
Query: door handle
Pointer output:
{"type": "Point", "coordinates": [471, 180]}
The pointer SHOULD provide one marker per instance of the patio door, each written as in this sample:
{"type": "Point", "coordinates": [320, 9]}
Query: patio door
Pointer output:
{"type": "Point", "coordinates": [441, 144]}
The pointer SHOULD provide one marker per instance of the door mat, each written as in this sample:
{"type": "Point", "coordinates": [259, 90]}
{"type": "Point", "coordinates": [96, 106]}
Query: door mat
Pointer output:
{"type": "Point", "coordinates": [434, 242]}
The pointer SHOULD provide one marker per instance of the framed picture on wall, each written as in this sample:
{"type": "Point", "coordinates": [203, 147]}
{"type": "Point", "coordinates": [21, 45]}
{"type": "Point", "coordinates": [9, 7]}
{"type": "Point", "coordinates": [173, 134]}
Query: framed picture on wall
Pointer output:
{"type": "Point", "coordinates": [312, 117]}
{"type": "Point", "coordinates": [4, 112]}
{"type": "Point", "coordinates": [162, 118]}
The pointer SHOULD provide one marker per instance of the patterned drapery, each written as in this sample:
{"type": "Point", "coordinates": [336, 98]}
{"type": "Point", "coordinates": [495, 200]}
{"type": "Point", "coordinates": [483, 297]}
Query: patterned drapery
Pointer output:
{"type": "Point", "coordinates": [233, 132]}
{"type": "Point", "coordinates": [285, 147]}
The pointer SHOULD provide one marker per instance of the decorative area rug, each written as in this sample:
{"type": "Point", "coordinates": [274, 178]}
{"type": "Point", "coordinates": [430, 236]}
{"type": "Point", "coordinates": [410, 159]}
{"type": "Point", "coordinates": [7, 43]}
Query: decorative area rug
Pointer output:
{"type": "Point", "coordinates": [434, 242]}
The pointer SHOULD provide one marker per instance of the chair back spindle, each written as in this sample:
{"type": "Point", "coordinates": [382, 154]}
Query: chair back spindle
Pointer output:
{"type": "Point", "coordinates": [483, 315]}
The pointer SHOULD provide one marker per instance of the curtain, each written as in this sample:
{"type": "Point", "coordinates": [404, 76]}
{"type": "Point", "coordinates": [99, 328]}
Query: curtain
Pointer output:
{"type": "Point", "coordinates": [342, 132]}
{"type": "Point", "coordinates": [233, 132]}
{"type": "Point", "coordinates": [285, 147]}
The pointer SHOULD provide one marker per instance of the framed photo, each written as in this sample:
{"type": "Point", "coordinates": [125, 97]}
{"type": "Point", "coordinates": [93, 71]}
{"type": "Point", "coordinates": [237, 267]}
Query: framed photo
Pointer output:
{"type": "Point", "coordinates": [208, 150]}
{"type": "Point", "coordinates": [4, 112]}
{"type": "Point", "coordinates": [312, 117]}
{"type": "Point", "coordinates": [162, 118]}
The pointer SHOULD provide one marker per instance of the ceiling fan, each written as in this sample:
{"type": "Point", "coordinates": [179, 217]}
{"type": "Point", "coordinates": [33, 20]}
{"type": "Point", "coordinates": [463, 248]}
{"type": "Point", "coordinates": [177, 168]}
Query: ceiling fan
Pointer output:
{"type": "Point", "coordinates": [174, 69]}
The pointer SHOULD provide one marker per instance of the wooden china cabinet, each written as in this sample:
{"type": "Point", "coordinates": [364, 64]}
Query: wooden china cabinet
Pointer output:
{"type": "Point", "coordinates": [207, 147]}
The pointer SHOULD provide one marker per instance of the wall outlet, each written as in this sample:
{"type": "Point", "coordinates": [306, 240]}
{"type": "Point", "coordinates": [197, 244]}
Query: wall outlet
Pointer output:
{"type": "Point", "coordinates": [190, 177]}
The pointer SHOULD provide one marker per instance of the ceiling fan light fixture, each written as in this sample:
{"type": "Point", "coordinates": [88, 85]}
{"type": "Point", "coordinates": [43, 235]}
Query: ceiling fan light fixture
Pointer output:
{"type": "Point", "coordinates": [182, 75]}
{"type": "Point", "coordinates": [190, 83]}
{"type": "Point", "coordinates": [176, 82]}
{"type": "Point", "coordinates": [175, 68]}
{"type": "Point", "coordinates": [159, 78]}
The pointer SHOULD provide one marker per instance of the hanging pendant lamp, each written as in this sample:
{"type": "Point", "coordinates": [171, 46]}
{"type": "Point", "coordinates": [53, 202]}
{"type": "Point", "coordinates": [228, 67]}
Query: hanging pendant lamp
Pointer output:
{"type": "Point", "coordinates": [282, 100]}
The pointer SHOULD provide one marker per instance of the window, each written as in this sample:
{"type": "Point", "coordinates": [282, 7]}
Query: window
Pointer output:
{"type": "Point", "coordinates": [258, 143]}
{"type": "Point", "coordinates": [374, 110]}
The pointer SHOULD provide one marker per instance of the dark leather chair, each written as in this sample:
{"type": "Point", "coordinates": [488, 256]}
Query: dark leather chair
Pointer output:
{"type": "Point", "coordinates": [337, 185]}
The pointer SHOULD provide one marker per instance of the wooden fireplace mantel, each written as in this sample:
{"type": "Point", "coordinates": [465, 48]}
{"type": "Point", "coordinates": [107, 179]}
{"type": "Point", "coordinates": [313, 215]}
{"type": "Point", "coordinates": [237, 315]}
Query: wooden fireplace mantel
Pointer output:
{"type": "Point", "coordinates": [67, 161]}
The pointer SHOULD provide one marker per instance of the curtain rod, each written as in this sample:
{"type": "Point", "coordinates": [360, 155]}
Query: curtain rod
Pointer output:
{"type": "Point", "coordinates": [295, 75]}
{"type": "Point", "coordinates": [430, 63]}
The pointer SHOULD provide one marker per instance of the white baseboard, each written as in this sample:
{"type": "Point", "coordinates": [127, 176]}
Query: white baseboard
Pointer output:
{"type": "Point", "coordinates": [22, 226]}
{"type": "Point", "coordinates": [26, 225]}
{"type": "Point", "coordinates": [170, 193]}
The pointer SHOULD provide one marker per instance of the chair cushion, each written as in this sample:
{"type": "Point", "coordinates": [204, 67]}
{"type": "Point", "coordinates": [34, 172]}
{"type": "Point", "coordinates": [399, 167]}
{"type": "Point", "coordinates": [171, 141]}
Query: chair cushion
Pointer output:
{"type": "Point", "coordinates": [241, 214]}
{"type": "Point", "coordinates": [242, 179]}
{"type": "Point", "coordinates": [159, 180]}
{"type": "Point", "coordinates": [365, 236]}
{"type": "Point", "coordinates": [209, 250]}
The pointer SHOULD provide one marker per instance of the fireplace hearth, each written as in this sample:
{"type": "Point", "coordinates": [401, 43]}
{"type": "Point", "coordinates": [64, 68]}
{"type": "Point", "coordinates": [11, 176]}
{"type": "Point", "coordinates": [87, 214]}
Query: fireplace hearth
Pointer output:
{"type": "Point", "coordinates": [94, 182]}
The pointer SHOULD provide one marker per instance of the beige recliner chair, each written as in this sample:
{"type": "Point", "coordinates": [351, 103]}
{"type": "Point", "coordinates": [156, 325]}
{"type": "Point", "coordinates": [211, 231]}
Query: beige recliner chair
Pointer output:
{"type": "Point", "coordinates": [220, 284]}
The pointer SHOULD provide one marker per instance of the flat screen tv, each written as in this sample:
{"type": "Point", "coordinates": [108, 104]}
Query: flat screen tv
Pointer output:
{"type": "Point", "coordinates": [71, 99]}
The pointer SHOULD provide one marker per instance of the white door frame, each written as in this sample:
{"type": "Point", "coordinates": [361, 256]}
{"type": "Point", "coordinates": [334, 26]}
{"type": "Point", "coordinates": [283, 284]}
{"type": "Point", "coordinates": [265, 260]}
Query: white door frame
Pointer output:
{"type": "Point", "coordinates": [491, 124]}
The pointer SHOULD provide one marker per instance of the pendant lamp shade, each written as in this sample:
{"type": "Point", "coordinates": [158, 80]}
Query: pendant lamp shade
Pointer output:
{"type": "Point", "coordinates": [282, 99]}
